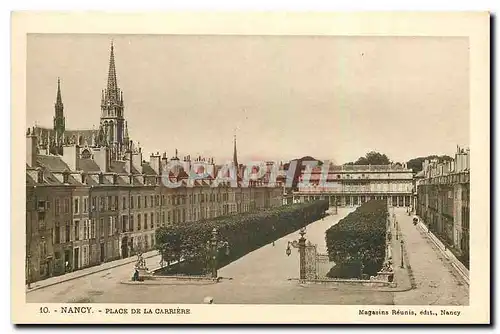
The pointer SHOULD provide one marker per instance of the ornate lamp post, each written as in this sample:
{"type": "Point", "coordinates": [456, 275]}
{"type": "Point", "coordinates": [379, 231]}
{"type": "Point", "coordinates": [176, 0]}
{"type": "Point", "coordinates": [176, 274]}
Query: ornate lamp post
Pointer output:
{"type": "Point", "coordinates": [402, 254]}
{"type": "Point", "coordinates": [301, 245]}
{"type": "Point", "coordinates": [28, 270]}
{"type": "Point", "coordinates": [361, 255]}
{"type": "Point", "coordinates": [215, 245]}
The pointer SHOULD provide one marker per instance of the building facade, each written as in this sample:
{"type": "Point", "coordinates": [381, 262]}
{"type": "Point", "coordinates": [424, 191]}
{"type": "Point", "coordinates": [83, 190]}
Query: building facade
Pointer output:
{"type": "Point", "coordinates": [443, 201]}
{"type": "Point", "coordinates": [91, 197]}
{"type": "Point", "coordinates": [352, 185]}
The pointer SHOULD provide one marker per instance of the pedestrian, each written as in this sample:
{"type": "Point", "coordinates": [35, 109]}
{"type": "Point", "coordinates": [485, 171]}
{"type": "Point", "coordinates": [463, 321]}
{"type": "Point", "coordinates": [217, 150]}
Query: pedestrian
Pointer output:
{"type": "Point", "coordinates": [135, 278]}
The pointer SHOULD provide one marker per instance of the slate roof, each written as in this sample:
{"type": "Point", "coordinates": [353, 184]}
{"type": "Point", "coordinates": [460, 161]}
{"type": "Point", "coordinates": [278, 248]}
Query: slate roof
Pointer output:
{"type": "Point", "coordinates": [118, 167]}
{"type": "Point", "coordinates": [30, 180]}
{"type": "Point", "coordinates": [147, 169]}
{"type": "Point", "coordinates": [52, 163]}
{"type": "Point", "coordinates": [89, 165]}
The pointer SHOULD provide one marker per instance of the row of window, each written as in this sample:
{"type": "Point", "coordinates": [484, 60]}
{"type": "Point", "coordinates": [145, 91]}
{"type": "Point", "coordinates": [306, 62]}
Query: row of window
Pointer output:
{"type": "Point", "coordinates": [83, 230]}
{"type": "Point", "coordinates": [110, 203]}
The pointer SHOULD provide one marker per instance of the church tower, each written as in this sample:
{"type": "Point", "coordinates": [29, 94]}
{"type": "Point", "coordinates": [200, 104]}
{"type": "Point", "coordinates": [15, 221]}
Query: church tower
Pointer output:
{"type": "Point", "coordinates": [235, 154]}
{"type": "Point", "coordinates": [112, 123]}
{"type": "Point", "coordinates": [59, 120]}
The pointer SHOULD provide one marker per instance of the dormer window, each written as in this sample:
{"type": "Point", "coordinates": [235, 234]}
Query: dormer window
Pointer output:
{"type": "Point", "coordinates": [40, 176]}
{"type": "Point", "coordinates": [65, 177]}
{"type": "Point", "coordinates": [101, 178]}
{"type": "Point", "coordinates": [86, 154]}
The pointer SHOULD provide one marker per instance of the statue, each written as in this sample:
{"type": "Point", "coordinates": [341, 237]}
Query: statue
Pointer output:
{"type": "Point", "coordinates": [141, 263]}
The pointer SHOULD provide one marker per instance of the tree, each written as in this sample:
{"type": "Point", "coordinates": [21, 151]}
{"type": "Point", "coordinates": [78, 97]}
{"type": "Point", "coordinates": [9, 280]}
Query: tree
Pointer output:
{"type": "Point", "coordinates": [416, 163]}
{"type": "Point", "coordinates": [357, 242]}
{"type": "Point", "coordinates": [168, 243]}
{"type": "Point", "coordinates": [371, 158]}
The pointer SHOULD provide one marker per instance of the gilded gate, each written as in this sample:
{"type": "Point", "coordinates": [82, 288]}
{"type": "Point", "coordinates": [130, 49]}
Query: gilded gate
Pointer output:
{"type": "Point", "coordinates": [317, 264]}
{"type": "Point", "coordinates": [310, 261]}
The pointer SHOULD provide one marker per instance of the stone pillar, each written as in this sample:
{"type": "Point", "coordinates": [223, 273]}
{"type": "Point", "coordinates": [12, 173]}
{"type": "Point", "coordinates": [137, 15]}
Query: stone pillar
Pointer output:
{"type": "Point", "coordinates": [404, 200]}
{"type": "Point", "coordinates": [302, 255]}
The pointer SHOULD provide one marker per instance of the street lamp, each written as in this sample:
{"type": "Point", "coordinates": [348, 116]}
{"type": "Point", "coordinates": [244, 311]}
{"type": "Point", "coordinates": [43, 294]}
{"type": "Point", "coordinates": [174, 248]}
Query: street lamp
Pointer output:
{"type": "Point", "coordinates": [402, 254]}
{"type": "Point", "coordinates": [301, 245]}
{"type": "Point", "coordinates": [361, 255]}
{"type": "Point", "coordinates": [397, 228]}
{"type": "Point", "coordinates": [28, 270]}
{"type": "Point", "coordinates": [215, 245]}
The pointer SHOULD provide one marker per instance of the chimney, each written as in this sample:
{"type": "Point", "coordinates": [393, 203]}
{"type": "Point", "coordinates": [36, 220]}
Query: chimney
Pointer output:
{"type": "Point", "coordinates": [31, 150]}
{"type": "Point", "coordinates": [39, 176]}
{"type": "Point", "coordinates": [71, 156]}
{"type": "Point", "coordinates": [101, 158]}
{"type": "Point", "coordinates": [467, 158]}
{"type": "Point", "coordinates": [164, 162]}
{"type": "Point", "coordinates": [137, 161]}
{"type": "Point", "coordinates": [128, 162]}
{"type": "Point", "coordinates": [155, 162]}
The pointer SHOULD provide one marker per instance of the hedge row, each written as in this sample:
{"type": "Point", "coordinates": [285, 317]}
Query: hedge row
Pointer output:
{"type": "Point", "coordinates": [243, 232]}
{"type": "Point", "coordinates": [357, 243]}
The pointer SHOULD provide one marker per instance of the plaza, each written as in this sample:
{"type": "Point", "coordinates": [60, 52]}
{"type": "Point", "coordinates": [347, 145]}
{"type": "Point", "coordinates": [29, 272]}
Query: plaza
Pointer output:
{"type": "Point", "coordinates": [268, 276]}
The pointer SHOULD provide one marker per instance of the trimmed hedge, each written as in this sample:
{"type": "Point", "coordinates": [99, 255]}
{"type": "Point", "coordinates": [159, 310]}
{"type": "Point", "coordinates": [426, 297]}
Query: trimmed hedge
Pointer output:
{"type": "Point", "coordinates": [357, 243]}
{"type": "Point", "coordinates": [244, 233]}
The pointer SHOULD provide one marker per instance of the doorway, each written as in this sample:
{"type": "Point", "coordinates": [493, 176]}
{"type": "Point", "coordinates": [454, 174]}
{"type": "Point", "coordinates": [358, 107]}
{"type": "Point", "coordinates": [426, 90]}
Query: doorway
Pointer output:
{"type": "Point", "coordinates": [124, 247]}
{"type": "Point", "coordinates": [102, 252]}
{"type": "Point", "coordinates": [76, 257]}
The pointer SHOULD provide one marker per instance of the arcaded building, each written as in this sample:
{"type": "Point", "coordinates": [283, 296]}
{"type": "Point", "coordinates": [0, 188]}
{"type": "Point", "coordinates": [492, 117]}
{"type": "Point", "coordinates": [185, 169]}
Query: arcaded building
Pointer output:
{"type": "Point", "coordinates": [351, 185]}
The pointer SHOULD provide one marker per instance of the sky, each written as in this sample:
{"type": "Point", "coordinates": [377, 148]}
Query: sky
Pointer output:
{"type": "Point", "coordinates": [331, 97]}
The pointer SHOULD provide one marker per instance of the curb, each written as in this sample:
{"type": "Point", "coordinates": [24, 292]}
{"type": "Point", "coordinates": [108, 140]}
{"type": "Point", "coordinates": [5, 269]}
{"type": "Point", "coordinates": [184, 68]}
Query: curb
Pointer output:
{"type": "Point", "coordinates": [171, 282]}
{"type": "Point", "coordinates": [347, 288]}
{"type": "Point", "coordinates": [84, 274]}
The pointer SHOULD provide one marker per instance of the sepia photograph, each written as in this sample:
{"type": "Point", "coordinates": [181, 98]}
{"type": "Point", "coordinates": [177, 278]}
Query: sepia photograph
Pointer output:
{"type": "Point", "coordinates": [251, 169]}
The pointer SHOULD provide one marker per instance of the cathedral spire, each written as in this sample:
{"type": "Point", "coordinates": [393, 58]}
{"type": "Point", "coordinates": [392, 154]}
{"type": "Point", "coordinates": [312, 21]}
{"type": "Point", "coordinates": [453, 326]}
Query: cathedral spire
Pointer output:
{"type": "Point", "coordinates": [59, 121]}
{"type": "Point", "coordinates": [59, 98]}
{"type": "Point", "coordinates": [235, 154]}
{"type": "Point", "coordinates": [112, 88]}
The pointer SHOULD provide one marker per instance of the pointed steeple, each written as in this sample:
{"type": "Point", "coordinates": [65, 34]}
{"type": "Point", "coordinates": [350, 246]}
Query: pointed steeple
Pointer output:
{"type": "Point", "coordinates": [58, 97]}
{"type": "Point", "coordinates": [112, 87]}
{"type": "Point", "coordinates": [59, 121]}
{"type": "Point", "coordinates": [235, 154]}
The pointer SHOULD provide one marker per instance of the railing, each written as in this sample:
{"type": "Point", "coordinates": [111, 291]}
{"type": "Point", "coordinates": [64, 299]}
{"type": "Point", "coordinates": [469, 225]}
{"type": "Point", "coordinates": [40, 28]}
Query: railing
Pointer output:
{"type": "Point", "coordinates": [318, 190]}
